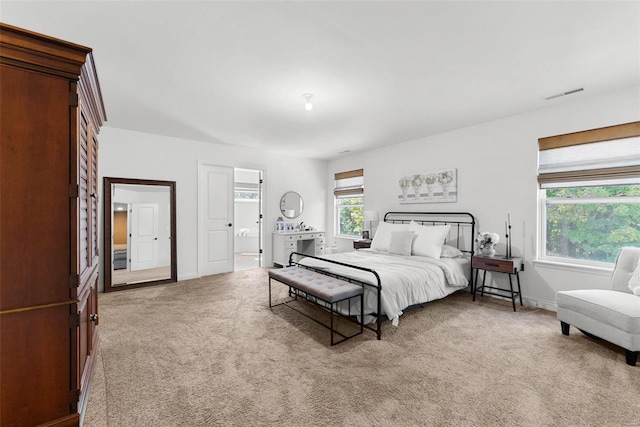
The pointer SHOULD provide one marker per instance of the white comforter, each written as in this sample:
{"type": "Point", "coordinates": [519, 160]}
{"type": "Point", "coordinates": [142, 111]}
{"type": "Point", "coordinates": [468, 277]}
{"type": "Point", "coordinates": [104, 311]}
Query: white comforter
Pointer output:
{"type": "Point", "coordinates": [406, 280]}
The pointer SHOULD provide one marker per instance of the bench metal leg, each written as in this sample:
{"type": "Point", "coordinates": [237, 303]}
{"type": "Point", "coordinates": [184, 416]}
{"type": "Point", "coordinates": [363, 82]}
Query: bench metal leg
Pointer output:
{"type": "Point", "coordinates": [331, 323]}
{"type": "Point", "coordinates": [329, 306]}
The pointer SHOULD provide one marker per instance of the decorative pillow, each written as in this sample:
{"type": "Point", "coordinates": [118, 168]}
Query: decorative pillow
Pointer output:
{"type": "Point", "coordinates": [450, 252]}
{"type": "Point", "coordinates": [383, 235]}
{"type": "Point", "coordinates": [429, 239]}
{"type": "Point", "coordinates": [634, 282]}
{"type": "Point", "coordinates": [400, 243]}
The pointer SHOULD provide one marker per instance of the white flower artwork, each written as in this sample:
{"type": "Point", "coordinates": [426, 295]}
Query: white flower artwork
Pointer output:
{"type": "Point", "coordinates": [430, 187]}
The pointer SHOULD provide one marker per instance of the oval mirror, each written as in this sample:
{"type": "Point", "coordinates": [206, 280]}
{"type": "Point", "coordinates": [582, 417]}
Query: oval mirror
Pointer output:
{"type": "Point", "coordinates": [291, 205]}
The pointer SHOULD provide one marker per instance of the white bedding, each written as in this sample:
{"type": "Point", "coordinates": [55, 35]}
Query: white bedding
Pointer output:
{"type": "Point", "coordinates": [406, 280]}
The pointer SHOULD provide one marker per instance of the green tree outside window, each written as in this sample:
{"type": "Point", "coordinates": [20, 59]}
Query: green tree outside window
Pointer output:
{"type": "Point", "coordinates": [350, 216]}
{"type": "Point", "coordinates": [592, 223]}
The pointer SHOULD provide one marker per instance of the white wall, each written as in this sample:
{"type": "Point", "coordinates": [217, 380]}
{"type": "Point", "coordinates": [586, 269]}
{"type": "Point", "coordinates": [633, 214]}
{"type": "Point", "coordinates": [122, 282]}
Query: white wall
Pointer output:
{"type": "Point", "coordinates": [497, 168]}
{"type": "Point", "coordinates": [127, 154]}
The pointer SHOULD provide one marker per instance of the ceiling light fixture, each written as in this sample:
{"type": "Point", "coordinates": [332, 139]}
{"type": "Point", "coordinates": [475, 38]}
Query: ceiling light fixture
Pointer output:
{"type": "Point", "coordinates": [308, 105]}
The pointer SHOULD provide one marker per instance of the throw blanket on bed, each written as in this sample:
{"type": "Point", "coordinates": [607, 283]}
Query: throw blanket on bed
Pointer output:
{"type": "Point", "coordinates": [406, 280]}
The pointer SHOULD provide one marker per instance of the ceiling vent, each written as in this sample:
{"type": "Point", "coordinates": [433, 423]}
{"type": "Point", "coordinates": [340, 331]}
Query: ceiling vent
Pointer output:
{"type": "Point", "coordinates": [580, 89]}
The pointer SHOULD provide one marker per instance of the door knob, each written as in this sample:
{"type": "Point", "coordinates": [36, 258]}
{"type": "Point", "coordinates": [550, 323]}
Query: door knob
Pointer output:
{"type": "Point", "coordinates": [230, 224]}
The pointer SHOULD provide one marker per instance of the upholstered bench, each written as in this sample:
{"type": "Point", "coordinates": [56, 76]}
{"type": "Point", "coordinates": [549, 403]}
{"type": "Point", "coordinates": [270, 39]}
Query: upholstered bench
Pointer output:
{"type": "Point", "coordinates": [610, 314]}
{"type": "Point", "coordinates": [314, 287]}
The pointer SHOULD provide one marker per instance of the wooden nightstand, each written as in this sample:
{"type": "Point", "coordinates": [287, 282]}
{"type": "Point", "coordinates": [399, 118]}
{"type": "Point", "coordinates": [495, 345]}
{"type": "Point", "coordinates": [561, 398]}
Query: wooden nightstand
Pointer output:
{"type": "Point", "coordinates": [498, 264]}
{"type": "Point", "coordinates": [361, 244]}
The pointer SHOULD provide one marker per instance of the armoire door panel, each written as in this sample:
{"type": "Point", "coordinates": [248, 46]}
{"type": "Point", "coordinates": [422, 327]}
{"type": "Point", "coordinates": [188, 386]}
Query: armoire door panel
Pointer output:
{"type": "Point", "coordinates": [35, 183]}
{"type": "Point", "coordinates": [86, 338]}
{"type": "Point", "coordinates": [34, 368]}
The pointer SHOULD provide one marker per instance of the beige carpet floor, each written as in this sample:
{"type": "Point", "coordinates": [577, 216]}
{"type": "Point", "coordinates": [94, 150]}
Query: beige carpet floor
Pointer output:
{"type": "Point", "coordinates": [210, 352]}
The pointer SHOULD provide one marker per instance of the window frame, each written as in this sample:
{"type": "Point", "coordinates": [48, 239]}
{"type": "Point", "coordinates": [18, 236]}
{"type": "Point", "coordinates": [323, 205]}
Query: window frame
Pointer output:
{"type": "Point", "coordinates": [542, 224]}
{"type": "Point", "coordinates": [337, 215]}
{"type": "Point", "coordinates": [570, 178]}
{"type": "Point", "coordinates": [349, 184]}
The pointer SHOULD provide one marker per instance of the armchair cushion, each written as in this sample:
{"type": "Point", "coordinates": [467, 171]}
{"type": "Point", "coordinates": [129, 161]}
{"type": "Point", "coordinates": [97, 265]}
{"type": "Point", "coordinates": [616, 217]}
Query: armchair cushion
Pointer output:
{"type": "Point", "coordinates": [634, 282]}
{"type": "Point", "coordinates": [616, 309]}
{"type": "Point", "coordinates": [626, 264]}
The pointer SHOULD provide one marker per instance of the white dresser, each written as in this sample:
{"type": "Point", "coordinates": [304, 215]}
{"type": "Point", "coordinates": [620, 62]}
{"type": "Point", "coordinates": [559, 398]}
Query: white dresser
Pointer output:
{"type": "Point", "coordinates": [306, 242]}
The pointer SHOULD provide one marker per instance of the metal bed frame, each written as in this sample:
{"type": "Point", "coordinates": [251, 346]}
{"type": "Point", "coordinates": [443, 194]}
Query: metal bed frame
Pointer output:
{"type": "Point", "coordinates": [461, 235]}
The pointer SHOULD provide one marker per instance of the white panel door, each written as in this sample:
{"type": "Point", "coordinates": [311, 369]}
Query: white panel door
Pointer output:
{"type": "Point", "coordinates": [215, 219]}
{"type": "Point", "coordinates": [144, 236]}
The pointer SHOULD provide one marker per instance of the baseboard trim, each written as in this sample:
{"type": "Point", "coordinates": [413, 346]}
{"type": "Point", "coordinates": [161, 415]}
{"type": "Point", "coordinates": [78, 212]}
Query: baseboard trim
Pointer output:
{"type": "Point", "coordinates": [546, 305]}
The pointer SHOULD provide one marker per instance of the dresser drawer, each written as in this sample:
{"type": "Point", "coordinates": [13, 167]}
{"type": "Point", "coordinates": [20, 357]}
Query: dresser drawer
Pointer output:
{"type": "Point", "coordinates": [306, 236]}
{"type": "Point", "coordinates": [493, 264]}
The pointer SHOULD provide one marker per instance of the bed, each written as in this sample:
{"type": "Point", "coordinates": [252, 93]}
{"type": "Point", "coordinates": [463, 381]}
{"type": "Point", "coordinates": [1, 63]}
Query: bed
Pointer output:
{"type": "Point", "coordinates": [414, 258]}
{"type": "Point", "coordinates": [119, 256]}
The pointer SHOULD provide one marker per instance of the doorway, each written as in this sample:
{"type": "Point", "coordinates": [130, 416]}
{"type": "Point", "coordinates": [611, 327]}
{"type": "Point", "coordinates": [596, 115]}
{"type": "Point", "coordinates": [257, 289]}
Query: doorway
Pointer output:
{"type": "Point", "coordinates": [218, 233]}
{"type": "Point", "coordinates": [248, 251]}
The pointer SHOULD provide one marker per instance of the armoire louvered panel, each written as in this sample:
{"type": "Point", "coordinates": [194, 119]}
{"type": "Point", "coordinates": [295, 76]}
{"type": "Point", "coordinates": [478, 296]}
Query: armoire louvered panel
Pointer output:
{"type": "Point", "coordinates": [83, 194]}
{"type": "Point", "coordinates": [93, 194]}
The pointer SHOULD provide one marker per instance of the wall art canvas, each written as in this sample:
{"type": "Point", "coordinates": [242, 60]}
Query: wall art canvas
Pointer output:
{"type": "Point", "coordinates": [429, 187]}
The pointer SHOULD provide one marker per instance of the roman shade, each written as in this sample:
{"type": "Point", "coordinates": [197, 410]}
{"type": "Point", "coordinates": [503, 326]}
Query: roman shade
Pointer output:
{"type": "Point", "coordinates": [349, 183]}
{"type": "Point", "coordinates": [611, 153]}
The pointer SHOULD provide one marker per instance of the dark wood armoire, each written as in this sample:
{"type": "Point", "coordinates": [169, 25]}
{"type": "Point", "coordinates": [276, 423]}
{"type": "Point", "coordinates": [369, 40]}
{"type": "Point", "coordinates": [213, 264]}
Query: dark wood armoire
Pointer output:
{"type": "Point", "coordinates": [51, 111]}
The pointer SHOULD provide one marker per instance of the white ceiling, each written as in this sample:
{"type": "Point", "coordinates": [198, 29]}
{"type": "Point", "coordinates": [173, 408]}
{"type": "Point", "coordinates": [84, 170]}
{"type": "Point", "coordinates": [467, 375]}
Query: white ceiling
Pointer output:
{"type": "Point", "coordinates": [381, 72]}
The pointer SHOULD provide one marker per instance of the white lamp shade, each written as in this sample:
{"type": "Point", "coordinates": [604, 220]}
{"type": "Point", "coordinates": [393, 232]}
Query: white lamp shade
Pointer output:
{"type": "Point", "coordinates": [370, 216]}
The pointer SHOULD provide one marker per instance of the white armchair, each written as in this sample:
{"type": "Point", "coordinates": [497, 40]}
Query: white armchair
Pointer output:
{"type": "Point", "coordinates": [612, 315]}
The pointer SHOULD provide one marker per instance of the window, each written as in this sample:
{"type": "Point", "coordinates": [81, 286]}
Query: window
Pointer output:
{"type": "Point", "coordinates": [246, 191]}
{"type": "Point", "coordinates": [589, 194]}
{"type": "Point", "coordinates": [349, 196]}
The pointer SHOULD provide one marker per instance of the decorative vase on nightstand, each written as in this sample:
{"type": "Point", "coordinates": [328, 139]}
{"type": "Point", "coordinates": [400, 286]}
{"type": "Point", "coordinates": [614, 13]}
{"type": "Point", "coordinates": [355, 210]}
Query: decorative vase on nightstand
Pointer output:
{"type": "Point", "coordinates": [487, 242]}
{"type": "Point", "coordinates": [488, 250]}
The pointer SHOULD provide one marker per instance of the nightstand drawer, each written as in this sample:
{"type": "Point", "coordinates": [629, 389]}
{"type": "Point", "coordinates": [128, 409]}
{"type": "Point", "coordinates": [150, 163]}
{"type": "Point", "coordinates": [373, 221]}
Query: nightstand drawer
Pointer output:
{"type": "Point", "coordinates": [493, 264]}
{"type": "Point", "coordinates": [357, 244]}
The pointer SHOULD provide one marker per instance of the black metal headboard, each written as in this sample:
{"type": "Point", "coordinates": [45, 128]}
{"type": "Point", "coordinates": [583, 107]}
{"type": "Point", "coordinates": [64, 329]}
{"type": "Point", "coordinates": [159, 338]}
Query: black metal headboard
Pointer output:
{"type": "Point", "coordinates": [463, 225]}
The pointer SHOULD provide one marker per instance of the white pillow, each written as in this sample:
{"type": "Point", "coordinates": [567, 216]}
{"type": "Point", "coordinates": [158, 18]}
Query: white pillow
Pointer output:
{"type": "Point", "coordinates": [383, 235]}
{"type": "Point", "coordinates": [634, 282]}
{"type": "Point", "coordinates": [400, 243]}
{"type": "Point", "coordinates": [450, 252]}
{"type": "Point", "coordinates": [429, 239]}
